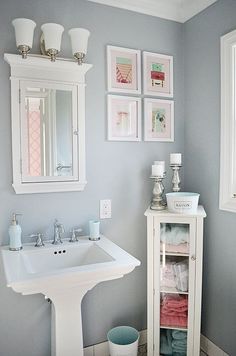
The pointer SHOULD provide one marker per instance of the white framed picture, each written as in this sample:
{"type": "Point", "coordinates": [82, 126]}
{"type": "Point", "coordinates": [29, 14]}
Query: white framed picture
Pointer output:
{"type": "Point", "coordinates": [158, 120]}
{"type": "Point", "coordinates": [158, 74]}
{"type": "Point", "coordinates": [123, 118]}
{"type": "Point", "coordinates": [123, 70]}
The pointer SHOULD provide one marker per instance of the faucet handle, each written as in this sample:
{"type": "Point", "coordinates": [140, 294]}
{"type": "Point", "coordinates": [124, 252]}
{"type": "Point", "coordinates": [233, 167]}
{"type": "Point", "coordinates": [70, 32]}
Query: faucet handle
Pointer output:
{"type": "Point", "coordinates": [61, 228]}
{"type": "Point", "coordinates": [74, 234]}
{"type": "Point", "coordinates": [39, 239]}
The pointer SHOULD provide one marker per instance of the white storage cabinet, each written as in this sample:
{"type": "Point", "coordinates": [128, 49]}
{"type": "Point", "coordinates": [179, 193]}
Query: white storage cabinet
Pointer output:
{"type": "Point", "coordinates": [174, 244]}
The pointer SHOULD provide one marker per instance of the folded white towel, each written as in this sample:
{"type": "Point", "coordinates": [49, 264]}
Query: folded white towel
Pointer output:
{"type": "Point", "coordinates": [175, 234]}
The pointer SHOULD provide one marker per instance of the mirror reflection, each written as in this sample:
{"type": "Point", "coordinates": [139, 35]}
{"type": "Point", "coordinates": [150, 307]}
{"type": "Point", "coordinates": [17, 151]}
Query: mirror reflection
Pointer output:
{"type": "Point", "coordinates": [47, 133]}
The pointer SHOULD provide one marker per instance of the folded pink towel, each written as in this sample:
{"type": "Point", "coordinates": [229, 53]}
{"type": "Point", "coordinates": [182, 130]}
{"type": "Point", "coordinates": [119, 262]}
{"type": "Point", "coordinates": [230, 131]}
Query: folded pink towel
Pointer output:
{"type": "Point", "coordinates": [175, 299]}
{"type": "Point", "coordinates": [174, 307]}
{"type": "Point", "coordinates": [174, 312]}
{"type": "Point", "coordinates": [181, 248]}
{"type": "Point", "coordinates": [175, 321]}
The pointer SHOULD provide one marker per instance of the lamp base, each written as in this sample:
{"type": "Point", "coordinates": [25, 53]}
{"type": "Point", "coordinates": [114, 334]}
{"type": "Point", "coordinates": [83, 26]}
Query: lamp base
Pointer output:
{"type": "Point", "coordinates": [80, 57]}
{"type": "Point", "coordinates": [24, 49]}
{"type": "Point", "coordinates": [158, 205]}
{"type": "Point", "coordinates": [52, 53]}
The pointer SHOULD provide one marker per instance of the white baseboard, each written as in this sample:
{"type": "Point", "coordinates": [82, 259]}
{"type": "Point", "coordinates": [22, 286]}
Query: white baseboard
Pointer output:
{"type": "Point", "coordinates": [211, 349]}
{"type": "Point", "coordinates": [102, 349]}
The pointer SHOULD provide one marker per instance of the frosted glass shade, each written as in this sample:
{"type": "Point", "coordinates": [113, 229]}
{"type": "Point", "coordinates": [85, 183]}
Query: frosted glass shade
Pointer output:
{"type": "Point", "coordinates": [52, 35]}
{"type": "Point", "coordinates": [79, 40]}
{"type": "Point", "coordinates": [24, 31]}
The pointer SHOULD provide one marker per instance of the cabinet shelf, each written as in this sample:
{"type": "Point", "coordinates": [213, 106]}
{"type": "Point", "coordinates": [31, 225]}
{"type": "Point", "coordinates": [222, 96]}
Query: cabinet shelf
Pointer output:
{"type": "Point", "coordinates": [174, 254]}
{"type": "Point", "coordinates": [171, 290]}
{"type": "Point", "coordinates": [173, 328]}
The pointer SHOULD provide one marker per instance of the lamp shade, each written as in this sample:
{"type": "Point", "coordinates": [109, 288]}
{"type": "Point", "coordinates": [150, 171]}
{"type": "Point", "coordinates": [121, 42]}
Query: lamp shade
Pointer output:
{"type": "Point", "coordinates": [52, 35]}
{"type": "Point", "coordinates": [24, 31]}
{"type": "Point", "coordinates": [79, 40]}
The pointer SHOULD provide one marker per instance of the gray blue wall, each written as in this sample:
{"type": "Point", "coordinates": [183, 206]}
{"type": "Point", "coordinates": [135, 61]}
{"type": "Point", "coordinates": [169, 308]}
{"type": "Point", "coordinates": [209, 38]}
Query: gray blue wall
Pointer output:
{"type": "Point", "coordinates": [115, 170]}
{"type": "Point", "coordinates": [202, 164]}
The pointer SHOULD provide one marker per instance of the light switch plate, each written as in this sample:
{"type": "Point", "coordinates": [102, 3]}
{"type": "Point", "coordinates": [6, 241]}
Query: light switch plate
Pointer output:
{"type": "Point", "coordinates": [105, 209]}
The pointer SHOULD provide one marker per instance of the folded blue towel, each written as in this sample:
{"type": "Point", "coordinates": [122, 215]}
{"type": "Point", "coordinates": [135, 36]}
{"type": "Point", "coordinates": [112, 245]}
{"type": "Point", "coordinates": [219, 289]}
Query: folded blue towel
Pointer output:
{"type": "Point", "coordinates": [179, 335]}
{"type": "Point", "coordinates": [179, 345]}
{"type": "Point", "coordinates": [166, 343]}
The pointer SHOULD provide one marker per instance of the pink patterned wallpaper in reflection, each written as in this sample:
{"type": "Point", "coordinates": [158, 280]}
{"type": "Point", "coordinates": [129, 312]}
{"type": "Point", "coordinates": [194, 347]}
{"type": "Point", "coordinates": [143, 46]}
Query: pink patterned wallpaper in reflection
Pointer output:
{"type": "Point", "coordinates": [34, 149]}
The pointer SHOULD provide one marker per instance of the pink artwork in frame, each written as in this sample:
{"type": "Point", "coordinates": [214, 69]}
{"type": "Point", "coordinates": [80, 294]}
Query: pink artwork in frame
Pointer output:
{"type": "Point", "coordinates": [124, 118]}
{"type": "Point", "coordinates": [123, 70]}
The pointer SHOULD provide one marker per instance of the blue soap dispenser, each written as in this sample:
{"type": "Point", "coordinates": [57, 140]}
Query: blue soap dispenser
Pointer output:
{"type": "Point", "coordinates": [15, 234]}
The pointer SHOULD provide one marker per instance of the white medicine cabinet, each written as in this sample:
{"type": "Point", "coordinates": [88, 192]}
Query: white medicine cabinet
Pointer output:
{"type": "Point", "coordinates": [175, 245]}
{"type": "Point", "coordinates": [48, 124]}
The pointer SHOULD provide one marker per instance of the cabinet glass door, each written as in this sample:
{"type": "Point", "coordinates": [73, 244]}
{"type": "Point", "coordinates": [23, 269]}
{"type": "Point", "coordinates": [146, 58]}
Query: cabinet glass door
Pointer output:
{"type": "Point", "coordinates": [176, 288]}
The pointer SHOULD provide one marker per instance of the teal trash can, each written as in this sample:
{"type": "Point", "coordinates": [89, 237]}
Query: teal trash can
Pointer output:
{"type": "Point", "coordinates": [123, 341]}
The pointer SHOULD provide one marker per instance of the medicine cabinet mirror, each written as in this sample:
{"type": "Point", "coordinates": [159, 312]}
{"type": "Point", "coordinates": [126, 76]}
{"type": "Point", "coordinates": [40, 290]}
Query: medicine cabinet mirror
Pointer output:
{"type": "Point", "coordinates": [48, 124]}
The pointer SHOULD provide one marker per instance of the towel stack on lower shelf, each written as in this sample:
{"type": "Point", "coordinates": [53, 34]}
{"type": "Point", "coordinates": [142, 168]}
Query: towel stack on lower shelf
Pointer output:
{"type": "Point", "coordinates": [173, 343]}
{"type": "Point", "coordinates": [179, 342]}
{"type": "Point", "coordinates": [174, 310]}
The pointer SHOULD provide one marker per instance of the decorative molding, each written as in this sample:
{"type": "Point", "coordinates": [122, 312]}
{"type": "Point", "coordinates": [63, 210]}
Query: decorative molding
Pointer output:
{"type": "Point", "coordinates": [227, 201]}
{"type": "Point", "coordinates": [175, 10]}
{"type": "Point", "coordinates": [41, 68]}
{"type": "Point", "coordinates": [192, 7]}
{"type": "Point", "coordinates": [210, 348]}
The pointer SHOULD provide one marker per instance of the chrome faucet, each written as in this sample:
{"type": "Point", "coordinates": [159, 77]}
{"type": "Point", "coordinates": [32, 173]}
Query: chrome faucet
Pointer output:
{"type": "Point", "coordinates": [58, 231]}
{"type": "Point", "coordinates": [74, 234]}
{"type": "Point", "coordinates": [39, 239]}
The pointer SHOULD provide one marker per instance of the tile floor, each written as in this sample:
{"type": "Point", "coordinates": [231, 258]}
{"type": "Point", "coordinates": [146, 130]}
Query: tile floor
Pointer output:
{"type": "Point", "coordinates": [142, 351]}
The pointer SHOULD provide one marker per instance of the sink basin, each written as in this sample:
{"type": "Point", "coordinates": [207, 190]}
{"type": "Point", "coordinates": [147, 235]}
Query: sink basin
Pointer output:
{"type": "Point", "coordinates": [65, 273]}
{"type": "Point", "coordinates": [63, 257]}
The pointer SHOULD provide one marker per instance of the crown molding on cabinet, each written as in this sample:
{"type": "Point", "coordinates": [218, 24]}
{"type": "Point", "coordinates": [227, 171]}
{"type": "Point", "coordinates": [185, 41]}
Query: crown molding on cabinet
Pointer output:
{"type": "Point", "coordinates": [175, 10]}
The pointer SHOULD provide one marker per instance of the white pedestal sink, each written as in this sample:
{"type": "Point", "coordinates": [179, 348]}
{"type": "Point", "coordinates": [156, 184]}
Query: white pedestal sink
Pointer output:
{"type": "Point", "coordinates": [64, 273]}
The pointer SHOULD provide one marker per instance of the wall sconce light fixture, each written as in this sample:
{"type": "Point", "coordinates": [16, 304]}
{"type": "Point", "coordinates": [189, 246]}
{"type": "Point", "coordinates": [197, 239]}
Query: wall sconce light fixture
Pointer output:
{"type": "Point", "coordinates": [52, 33]}
{"type": "Point", "coordinates": [24, 32]}
{"type": "Point", "coordinates": [79, 42]}
{"type": "Point", "coordinates": [50, 42]}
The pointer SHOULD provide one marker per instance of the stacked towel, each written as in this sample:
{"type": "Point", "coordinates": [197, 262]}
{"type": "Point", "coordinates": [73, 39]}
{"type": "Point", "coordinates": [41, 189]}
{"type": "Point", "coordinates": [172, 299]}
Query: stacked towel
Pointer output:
{"type": "Point", "coordinates": [181, 248]}
{"type": "Point", "coordinates": [175, 235]}
{"type": "Point", "coordinates": [173, 343]}
{"type": "Point", "coordinates": [167, 276]}
{"type": "Point", "coordinates": [175, 275]}
{"type": "Point", "coordinates": [166, 343]}
{"type": "Point", "coordinates": [174, 310]}
{"type": "Point", "coordinates": [179, 343]}
{"type": "Point", "coordinates": [181, 275]}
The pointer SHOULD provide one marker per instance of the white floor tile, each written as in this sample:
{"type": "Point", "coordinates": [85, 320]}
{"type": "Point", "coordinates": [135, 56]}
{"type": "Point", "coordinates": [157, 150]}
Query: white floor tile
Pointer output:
{"type": "Point", "coordinates": [88, 351]}
{"type": "Point", "coordinates": [101, 349]}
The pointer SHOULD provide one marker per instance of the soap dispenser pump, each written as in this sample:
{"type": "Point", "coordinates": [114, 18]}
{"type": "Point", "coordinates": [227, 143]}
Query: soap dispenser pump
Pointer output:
{"type": "Point", "coordinates": [15, 234]}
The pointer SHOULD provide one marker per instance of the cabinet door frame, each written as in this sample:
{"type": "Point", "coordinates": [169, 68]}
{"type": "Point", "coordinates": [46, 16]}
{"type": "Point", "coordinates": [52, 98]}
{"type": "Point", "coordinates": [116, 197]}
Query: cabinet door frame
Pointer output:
{"type": "Point", "coordinates": [156, 279]}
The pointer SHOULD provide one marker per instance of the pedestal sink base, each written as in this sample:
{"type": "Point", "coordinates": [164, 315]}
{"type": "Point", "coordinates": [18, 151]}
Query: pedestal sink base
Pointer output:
{"type": "Point", "coordinates": [67, 334]}
{"type": "Point", "coordinates": [65, 274]}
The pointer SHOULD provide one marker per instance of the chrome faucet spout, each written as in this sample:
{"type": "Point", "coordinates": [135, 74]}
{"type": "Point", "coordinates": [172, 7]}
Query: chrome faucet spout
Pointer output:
{"type": "Point", "coordinates": [58, 231]}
